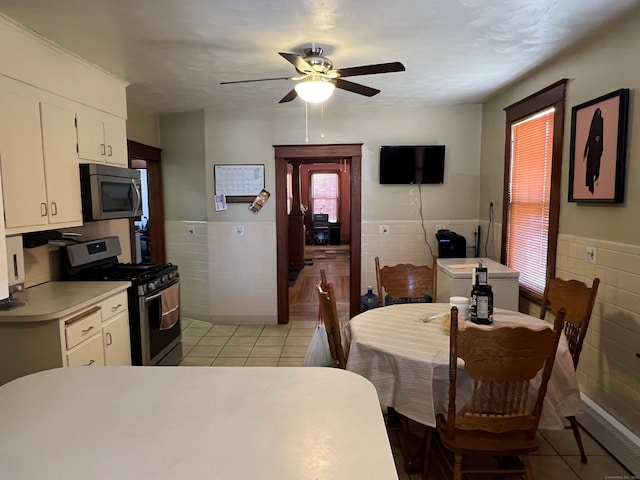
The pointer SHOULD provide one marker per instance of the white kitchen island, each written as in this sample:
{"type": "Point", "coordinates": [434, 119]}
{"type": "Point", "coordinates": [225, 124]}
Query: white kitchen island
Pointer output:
{"type": "Point", "coordinates": [195, 423]}
{"type": "Point", "coordinates": [454, 279]}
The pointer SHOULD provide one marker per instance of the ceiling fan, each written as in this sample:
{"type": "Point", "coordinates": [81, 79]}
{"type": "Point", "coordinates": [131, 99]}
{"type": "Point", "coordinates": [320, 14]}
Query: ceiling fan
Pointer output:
{"type": "Point", "coordinates": [317, 79]}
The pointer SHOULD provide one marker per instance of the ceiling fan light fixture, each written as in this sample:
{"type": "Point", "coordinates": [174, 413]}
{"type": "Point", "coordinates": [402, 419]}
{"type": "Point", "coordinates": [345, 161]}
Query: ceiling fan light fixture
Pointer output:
{"type": "Point", "coordinates": [314, 90]}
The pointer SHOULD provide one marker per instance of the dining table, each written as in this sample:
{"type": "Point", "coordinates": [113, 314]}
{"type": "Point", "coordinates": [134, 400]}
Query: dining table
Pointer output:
{"type": "Point", "coordinates": [196, 423]}
{"type": "Point", "coordinates": [403, 350]}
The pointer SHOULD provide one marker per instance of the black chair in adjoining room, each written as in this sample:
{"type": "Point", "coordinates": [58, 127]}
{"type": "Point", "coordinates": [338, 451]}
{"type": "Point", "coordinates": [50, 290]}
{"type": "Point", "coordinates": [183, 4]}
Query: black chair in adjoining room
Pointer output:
{"type": "Point", "coordinates": [321, 229]}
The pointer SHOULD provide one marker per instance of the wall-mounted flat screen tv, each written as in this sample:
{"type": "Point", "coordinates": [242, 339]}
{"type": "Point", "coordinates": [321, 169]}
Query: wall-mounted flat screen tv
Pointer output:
{"type": "Point", "coordinates": [411, 164]}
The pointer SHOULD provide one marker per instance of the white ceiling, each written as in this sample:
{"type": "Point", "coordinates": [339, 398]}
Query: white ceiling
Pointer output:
{"type": "Point", "coordinates": [174, 53]}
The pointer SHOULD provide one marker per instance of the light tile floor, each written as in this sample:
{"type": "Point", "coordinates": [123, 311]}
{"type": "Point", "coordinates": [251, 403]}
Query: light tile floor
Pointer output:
{"type": "Point", "coordinates": [205, 344]}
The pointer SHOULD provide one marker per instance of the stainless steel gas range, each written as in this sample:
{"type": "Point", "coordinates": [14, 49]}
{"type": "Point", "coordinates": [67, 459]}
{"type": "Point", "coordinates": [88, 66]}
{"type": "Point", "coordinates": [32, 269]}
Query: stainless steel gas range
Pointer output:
{"type": "Point", "coordinates": [154, 297]}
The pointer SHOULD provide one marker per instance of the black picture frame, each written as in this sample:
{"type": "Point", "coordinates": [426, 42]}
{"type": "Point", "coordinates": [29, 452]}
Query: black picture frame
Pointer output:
{"type": "Point", "coordinates": [599, 149]}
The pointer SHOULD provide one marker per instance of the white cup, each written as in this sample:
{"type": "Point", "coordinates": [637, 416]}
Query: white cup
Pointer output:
{"type": "Point", "coordinates": [462, 304]}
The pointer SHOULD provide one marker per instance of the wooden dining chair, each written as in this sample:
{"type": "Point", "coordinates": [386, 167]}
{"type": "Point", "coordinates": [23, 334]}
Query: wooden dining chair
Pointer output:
{"type": "Point", "coordinates": [329, 310]}
{"type": "Point", "coordinates": [406, 283]}
{"type": "Point", "coordinates": [577, 299]}
{"type": "Point", "coordinates": [498, 420]}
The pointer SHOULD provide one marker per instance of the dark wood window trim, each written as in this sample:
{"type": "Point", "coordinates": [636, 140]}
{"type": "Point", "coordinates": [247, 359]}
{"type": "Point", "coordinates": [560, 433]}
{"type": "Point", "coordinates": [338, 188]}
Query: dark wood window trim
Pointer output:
{"type": "Point", "coordinates": [551, 96]}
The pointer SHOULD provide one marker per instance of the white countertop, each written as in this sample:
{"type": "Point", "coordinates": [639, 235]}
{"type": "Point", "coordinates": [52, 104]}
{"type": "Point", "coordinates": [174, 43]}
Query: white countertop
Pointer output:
{"type": "Point", "coordinates": [54, 300]}
{"type": "Point", "coordinates": [463, 267]}
{"type": "Point", "coordinates": [196, 423]}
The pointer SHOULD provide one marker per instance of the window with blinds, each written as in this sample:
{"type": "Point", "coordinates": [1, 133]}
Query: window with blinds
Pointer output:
{"type": "Point", "coordinates": [532, 179]}
{"type": "Point", "coordinates": [325, 194]}
{"type": "Point", "coordinates": [529, 198]}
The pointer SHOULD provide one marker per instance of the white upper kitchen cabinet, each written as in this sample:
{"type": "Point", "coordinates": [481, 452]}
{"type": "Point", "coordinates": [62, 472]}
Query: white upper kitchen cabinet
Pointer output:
{"type": "Point", "coordinates": [102, 138]}
{"type": "Point", "coordinates": [23, 184]}
{"type": "Point", "coordinates": [60, 164]}
{"type": "Point", "coordinates": [40, 176]}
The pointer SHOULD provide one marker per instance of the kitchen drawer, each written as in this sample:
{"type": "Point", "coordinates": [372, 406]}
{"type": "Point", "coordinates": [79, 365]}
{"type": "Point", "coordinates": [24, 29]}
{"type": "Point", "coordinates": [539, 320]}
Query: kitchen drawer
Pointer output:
{"type": "Point", "coordinates": [89, 353]}
{"type": "Point", "coordinates": [82, 326]}
{"type": "Point", "coordinates": [114, 305]}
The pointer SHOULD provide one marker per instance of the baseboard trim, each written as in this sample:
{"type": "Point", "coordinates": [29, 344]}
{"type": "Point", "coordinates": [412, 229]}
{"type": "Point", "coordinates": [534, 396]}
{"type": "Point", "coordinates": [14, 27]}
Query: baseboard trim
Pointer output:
{"type": "Point", "coordinates": [621, 442]}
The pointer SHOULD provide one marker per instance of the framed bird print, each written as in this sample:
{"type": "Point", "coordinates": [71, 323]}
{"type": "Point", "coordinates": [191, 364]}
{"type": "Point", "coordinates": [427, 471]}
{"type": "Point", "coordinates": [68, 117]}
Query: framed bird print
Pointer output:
{"type": "Point", "coordinates": [599, 149]}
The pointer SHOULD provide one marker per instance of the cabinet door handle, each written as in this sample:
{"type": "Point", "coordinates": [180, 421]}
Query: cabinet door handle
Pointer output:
{"type": "Point", "coordinates": [109, 339]}
{"type": "Point", "coordinates": [43, 209]}
{"type": "Point", "coordinates": [102, 149]}
{"type": "Point", "coordinates": [54, 208]}
{"type": "Point", "coordinates": [109, 150]}
{"type": "Point", "coordinates": [87, 330]}
{"type": "Point", "coordinates": [91, 362]}
{"type": "Point", "coordinates": [113, 309]}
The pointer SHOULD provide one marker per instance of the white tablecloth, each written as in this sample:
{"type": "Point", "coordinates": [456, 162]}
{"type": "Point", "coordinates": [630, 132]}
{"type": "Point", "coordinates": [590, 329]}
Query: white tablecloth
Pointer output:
{"type": "Point", "coordinates": [407, 360]}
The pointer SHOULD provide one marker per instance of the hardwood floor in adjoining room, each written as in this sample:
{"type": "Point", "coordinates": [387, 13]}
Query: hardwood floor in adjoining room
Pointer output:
{"type": "Point", "coordinates": [303, 298]}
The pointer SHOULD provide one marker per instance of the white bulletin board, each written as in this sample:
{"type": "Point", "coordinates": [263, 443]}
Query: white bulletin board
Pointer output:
{"type": "Point", "coordinates": [238, 182]}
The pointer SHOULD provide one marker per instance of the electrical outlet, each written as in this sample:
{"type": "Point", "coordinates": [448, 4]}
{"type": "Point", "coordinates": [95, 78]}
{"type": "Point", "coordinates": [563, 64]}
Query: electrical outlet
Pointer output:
{"type": "Point", "coordinates": [384, 229]}
{"type": "Point", "coordinates": [591, 255]}
{"type": "Point", "coordinates": [238, 230]}
{"type": "Point", "coordinates": [440, 227]}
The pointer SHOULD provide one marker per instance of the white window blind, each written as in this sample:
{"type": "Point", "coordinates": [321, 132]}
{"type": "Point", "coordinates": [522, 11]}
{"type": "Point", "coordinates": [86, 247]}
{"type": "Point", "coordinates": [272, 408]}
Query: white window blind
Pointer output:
{"type": "Point", "coordinates": [529, 198]}
{"type": "Point", "coordinates": [324, 194]}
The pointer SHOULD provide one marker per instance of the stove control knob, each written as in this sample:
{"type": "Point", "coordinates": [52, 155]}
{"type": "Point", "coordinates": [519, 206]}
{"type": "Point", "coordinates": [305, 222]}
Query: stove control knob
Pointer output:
{"type": "Point", "coordinates": [151, 286]}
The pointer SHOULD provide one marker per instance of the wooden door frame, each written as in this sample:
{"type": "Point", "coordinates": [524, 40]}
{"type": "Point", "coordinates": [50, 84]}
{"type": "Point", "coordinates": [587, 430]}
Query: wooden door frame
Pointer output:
{"type": "Point", "coordinates": [148, 157]}
{"type": "Point", "coordinates": [332, 153]}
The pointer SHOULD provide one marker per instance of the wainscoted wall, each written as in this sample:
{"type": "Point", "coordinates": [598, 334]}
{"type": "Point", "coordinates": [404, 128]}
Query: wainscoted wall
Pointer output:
{"type": "Point", "coordinates": [213, 287]}
{"type": "Point", "coordinates": [405, 243]}
{"type": "Point", "coordinates": [609, 369]}
{"type": "Point", "coordinates": [188, 247]}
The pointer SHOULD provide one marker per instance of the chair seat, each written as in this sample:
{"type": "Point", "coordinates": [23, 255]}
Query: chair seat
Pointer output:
{"type": "Point", "coordinates": [486, 443]}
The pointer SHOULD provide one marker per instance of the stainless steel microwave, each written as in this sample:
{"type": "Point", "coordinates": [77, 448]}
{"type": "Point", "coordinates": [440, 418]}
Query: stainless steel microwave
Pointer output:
{"type": "Point", "coordinates": [109, 192]}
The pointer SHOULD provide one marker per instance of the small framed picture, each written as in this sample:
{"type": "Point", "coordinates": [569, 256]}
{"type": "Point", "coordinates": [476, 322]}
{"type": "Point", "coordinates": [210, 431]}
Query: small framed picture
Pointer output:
{"type": "Point", "coordinates": [599, 149]}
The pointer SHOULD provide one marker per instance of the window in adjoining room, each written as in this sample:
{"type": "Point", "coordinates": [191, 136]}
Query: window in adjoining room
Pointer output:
{"type": "Point", "coordinates": [533, 163]}
{"type": "Point", "coordinates": [325, 194]}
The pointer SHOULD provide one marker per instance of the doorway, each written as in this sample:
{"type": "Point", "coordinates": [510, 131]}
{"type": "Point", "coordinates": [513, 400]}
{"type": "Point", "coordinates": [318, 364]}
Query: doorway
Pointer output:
{"type": "Point", "coordinates": [314, 154]}
{"type": "Point", "coordinates": [147, 234]}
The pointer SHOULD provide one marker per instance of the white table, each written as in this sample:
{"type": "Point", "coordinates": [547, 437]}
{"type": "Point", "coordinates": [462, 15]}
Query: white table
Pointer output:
{"type": "Point", "coordinates": [192, 423]}
{"type": "Point", "coordinates": [408, 362]}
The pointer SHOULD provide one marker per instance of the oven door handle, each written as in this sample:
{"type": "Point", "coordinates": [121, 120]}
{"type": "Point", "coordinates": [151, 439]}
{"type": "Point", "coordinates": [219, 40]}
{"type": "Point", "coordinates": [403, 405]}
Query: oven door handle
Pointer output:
{"type": "Point", "coordinates": [152, 297]}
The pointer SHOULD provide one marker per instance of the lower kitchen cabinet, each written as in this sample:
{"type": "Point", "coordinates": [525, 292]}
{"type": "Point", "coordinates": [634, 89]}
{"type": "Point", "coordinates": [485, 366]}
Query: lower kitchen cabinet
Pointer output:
{"type": "Point", "coordinates": [115, 340]}
{"type": "Point", "coordinates": [87, 354]}
{"type": "Point", "coordinates": [90, 329]}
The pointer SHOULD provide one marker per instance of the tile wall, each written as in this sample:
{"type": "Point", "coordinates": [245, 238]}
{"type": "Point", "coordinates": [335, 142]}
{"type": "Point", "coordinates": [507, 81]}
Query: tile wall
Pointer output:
{"type": "Point", "coordinates": [609, 368]}
{"type": "Point", "coordinates": [223, 274]}
{"type": "Point", "coordinates": [405, 243]}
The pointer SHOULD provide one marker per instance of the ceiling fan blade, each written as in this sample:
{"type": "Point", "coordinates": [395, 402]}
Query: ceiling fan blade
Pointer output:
{"type": "Point", "coordinates": [371, 69]}
{"type": "Point", "coordinates": [300, 63]}
{"type": "Point", "coordinates": [356, 88]}
{"type": "Point", "coordinates": [257, 80]}
{"type": "Point", "coordinates": [289, 96]}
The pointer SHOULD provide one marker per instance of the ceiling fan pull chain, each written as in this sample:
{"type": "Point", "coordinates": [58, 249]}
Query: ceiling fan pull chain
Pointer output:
{"type": "Point", "coordinates": [306, 122]}
{"type": "Point", "coordinates": [322, 120]}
